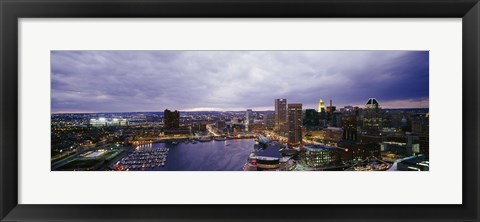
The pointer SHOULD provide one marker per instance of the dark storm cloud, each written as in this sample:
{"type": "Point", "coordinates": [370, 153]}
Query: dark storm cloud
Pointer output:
{"type": "Point", "coordinates": [105, 81]}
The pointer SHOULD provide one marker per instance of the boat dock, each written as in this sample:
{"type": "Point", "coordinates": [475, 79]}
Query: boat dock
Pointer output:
{"type": "Point", "coordinates": [144, 159]}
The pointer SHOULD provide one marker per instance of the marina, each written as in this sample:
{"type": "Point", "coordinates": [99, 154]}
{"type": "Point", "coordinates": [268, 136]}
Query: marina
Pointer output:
{"type": "Point", "coordinates": [197, 155]}
{"type": "Point", "coordinates": [143, 157]}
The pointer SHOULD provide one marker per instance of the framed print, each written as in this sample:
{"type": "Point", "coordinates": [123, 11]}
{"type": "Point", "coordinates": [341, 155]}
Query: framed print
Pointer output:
{"type": "Point", "coordinates": [146, 110]}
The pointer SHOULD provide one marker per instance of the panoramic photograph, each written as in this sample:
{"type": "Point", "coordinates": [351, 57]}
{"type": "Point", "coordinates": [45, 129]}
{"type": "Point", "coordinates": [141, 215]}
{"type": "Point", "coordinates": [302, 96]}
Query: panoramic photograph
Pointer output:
{"type": "Point", "coordinates": [156, 110]}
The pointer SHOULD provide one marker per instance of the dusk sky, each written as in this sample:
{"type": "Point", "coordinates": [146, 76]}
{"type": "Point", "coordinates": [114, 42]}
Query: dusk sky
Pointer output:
{"type": "Point", "coordinates": [128, 81]}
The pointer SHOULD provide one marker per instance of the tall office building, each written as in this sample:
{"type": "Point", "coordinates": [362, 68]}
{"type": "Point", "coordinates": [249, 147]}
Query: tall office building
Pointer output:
{"type": "Point", "coordinates": [322, 115]}
{"type": "Point", "coordinates": [372, 120]}
{"type": "Point", "coordinates": [337, 119]}
{"type": "Point", "coordinates": [269, 121]}
{"type": "Point", "coordinates": [330, 110]}
{"type": "Point", "coordinates": [372, 103]}
{"type": "Point", "coordinates": [312, 119]}
{"type": "Point", "coordinates": [294, 123]}
{"type": "Point", "coordinates": [249, 116]}
{"type": "Point", "coordinates": [281, 115]}
{"type": "Point", "coordinates": [349, 125]}
{"type": "Point", "coordinates": [171, 120]}
{"type": "Point", "coordinates": [321, 106]}
{"type": "Point", "coordinates": [419, 123]}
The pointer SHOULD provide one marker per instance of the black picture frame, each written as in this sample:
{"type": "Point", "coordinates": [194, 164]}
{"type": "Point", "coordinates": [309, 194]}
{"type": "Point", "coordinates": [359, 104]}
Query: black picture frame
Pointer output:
{"type": "Point", "coordinates": [11, 11]}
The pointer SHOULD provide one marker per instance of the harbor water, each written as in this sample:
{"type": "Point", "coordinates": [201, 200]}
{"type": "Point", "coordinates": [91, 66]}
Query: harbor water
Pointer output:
{"type": "Point", "coordinates": [229, 155]}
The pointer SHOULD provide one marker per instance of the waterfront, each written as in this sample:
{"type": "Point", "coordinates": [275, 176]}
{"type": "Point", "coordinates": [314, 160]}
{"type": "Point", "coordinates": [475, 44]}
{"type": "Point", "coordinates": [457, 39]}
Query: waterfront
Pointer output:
{"type": "Point", "coordinates": [229, 155]}
{"type": "Point", "coordinates": [305, 117]}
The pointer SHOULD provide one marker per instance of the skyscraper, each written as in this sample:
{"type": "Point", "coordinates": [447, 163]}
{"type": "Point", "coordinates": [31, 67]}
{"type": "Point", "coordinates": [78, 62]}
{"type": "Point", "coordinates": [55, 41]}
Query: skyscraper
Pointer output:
{"type": "Point", "coordinates": [171, 120]}
{"type": "Point", "coordinates": [311, 120]}
{"type": "Point", "coordinates": [269, 121]}
{"type": "Point", "coordinates": [281, 115]}
{"type": "Point", "coordinates": [372, 120]}
{"type": "Point", "coordinates": [294, 123]}
{"type": "Point", "coordinates": [349, 125]}
{"type": "Point", "coordinates": [322, 115]}
{"type": "Point", "coordinates": [372, 103]}
{"type": "Point", "coordinates": [321, 106]}
{"type": "Point", "coordinates": [337, 119]}
{"type": "Point", "coordinates": [249, 116]}
{"type": "Point", "coordinates": [330, 110]}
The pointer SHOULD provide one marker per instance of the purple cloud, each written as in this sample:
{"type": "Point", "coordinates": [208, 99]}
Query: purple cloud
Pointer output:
{"type": "Point", "coordinates": [113, 81]}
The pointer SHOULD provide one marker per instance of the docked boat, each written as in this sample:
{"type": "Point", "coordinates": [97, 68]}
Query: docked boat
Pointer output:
{"type": "Point", "coordinates": [220, 138]}
{"type": "Point", "coordinates": [205, 139]}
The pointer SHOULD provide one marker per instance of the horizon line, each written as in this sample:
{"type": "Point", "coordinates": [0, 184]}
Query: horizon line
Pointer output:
{"type": "Point", "coordinates": [191, 111]}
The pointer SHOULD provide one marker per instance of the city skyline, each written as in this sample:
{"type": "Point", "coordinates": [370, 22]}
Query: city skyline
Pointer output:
{"type": "Point", "coordinates": [150, 81]}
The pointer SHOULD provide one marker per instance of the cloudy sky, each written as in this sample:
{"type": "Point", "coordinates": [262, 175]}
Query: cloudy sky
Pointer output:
{"type": "Point", "coordinates": [122, 81]}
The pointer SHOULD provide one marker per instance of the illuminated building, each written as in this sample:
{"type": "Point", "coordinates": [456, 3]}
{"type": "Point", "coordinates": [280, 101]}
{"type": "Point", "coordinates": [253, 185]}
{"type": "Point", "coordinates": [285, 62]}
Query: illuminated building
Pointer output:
{"type": "Point", "coordinates": [237, 127]}
{"type": "Point", "coordinates": [361, 150]}
{"type": "Point", "coordinates": [396, 148]}
{"type": "Point", "coordinates": [321, 106]}
{"type": "Point", "coordinates": [256, 127]}
{"type": "Point", "coordinates": [349, 110]}
{"type": "Point", "coordinates": [268, 159]}
{"type": "Point", "coordinates": [330, 135]}
{"type": "Point", "coordinates": [294, 123]}
{"type": "Point", "coordinates": [372, 103]}
{"type": "Point", "coordinates": [269, 121]}
{"type": "Point", "coordinates": [119, 122]}
{"type": "Point", "coordinates": [281, 115]}
{"type": "Point", "coordinates": [372, 120]}
{"type": "Point", "coordinates": [413, 146]}
{"type": "Point", "coordinates": [98, 122]}
{"type": "Point", "coordinates": [318, 156]}
{"type": "Point", "coordinates": [322, 113]}
{"type": "Point", "coordinates": [102, 121]}
{"type": "Point", "coordinates": [137, 119]}
{"type": "Point", "coordinates": [171, 120]}
{"type": "Point", "coordinates": [199, 126]}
